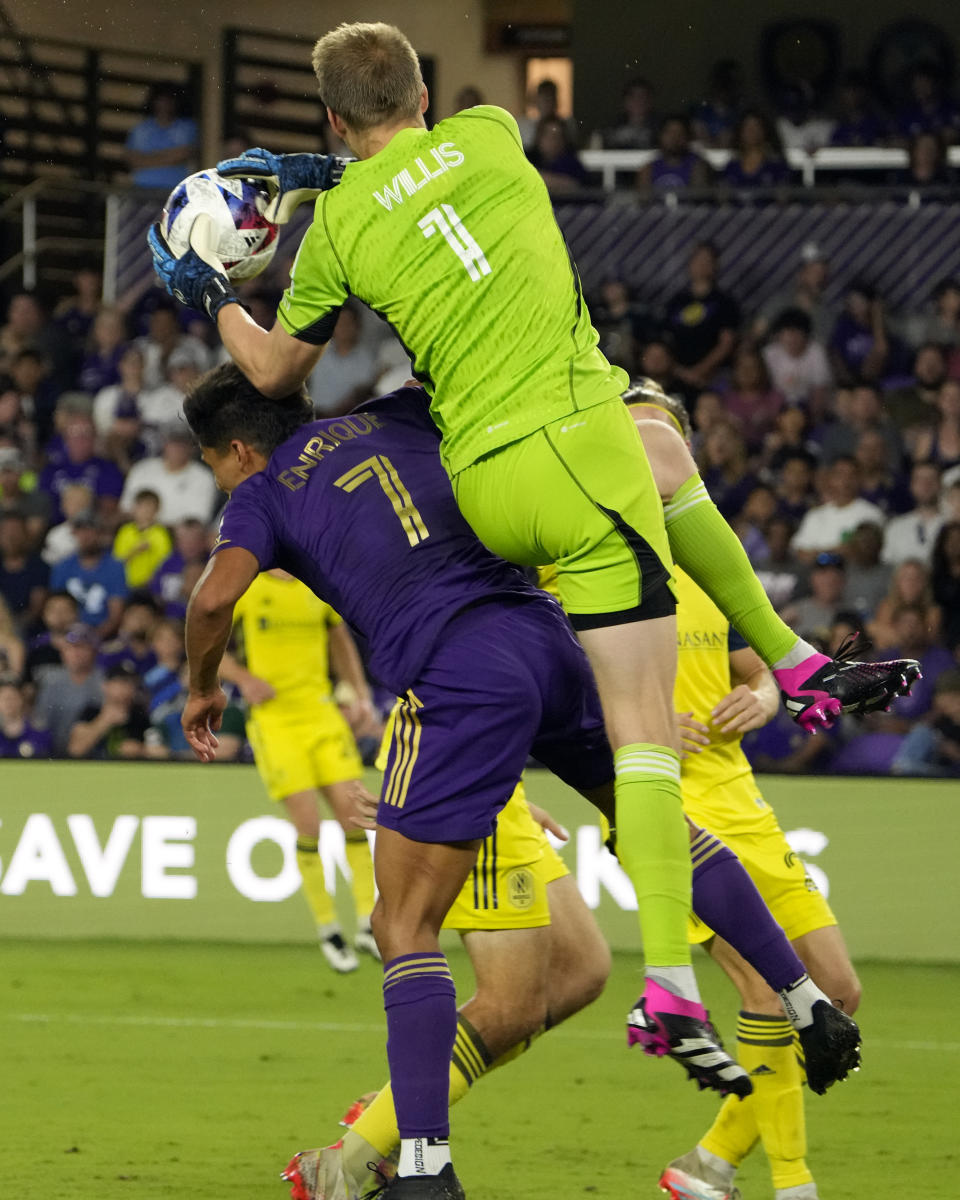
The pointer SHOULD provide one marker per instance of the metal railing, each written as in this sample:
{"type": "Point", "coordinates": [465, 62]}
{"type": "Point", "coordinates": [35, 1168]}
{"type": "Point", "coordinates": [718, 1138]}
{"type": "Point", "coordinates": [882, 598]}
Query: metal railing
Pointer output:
{"type": "Point", "coordinates": [870, 232]}
{"type": "Point", "coordinates": [616, 167]}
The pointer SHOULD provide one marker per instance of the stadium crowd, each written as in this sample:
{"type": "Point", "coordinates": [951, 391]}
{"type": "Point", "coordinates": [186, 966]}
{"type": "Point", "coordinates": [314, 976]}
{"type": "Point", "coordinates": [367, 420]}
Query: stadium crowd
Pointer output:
{"type": "Point", "coordinates": [925, 122]}
{"type": "Point", "coordinates": [829, 437]}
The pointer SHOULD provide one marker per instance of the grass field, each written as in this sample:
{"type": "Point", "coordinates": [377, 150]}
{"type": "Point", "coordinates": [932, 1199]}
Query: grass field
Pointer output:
{"type": "Point", "coordinates": [162, 1070]}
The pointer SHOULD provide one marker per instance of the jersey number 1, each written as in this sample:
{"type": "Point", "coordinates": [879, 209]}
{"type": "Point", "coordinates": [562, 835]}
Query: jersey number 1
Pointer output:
{"type": "Point", "coordinates": [445, 220]}
{"type": "Point", "coordinates": [381, 468]}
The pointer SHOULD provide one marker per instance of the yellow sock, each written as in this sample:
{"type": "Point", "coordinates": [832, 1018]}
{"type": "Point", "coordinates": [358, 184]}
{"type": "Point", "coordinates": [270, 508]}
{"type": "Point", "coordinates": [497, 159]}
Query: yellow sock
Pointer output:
{"type": "Point", "coordinates": [774, 1112]}
{"type": "Point", "coordinates": [361, 868]}
{"type": "Point", "coordinates": [377, 1124]}
{"type": "Point", "coordinates": [314, 884]}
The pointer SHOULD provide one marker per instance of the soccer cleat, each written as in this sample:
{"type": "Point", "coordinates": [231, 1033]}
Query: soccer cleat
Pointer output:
{"type": "Point", "coordinates": [831, 1046]}
{"type": "Point", "coordinates": [665, 1024]}
{"type": "Point", "coordinates": [817, 691]}
{"type": "Point", "coordinates": [317, 1175]}
{"type": "Point", "coordinates": [338, 954]}
{"type": "Point", "coordinates": [689, 1178]}
{"type": "Point", "coordinates": [365, 943]}
{"type": "Point", "coordinates": [803, 1191]}
{"type": "Point", "coordinates": [445, 1186]}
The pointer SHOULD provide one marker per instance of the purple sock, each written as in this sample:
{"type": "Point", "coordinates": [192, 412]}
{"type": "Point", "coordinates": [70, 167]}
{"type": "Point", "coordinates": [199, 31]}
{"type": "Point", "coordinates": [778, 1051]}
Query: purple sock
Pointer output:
{"type": "Point", "coordinates": [725, 898]}
{"type": "Point", "coordinates": [421, 1006]}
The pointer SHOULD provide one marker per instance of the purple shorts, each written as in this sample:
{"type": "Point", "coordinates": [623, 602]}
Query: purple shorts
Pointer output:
{"type": "Point", "coordinates": [505, 681]}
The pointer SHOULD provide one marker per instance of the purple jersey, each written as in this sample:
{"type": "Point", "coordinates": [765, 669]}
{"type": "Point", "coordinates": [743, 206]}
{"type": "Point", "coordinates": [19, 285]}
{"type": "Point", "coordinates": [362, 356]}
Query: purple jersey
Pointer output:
{"type": "Point", "coordinates": [361, 509]}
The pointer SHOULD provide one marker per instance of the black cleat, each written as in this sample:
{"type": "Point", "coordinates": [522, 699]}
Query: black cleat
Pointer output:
{"type": "Point", "coordinates": [663, 1024]}
{"type": "Point", "coordinates": [831, 1046]}
{"type": "Point", "coordinates": [445, 1186]}
{"type": "Point", "coordinates": [817, 691]}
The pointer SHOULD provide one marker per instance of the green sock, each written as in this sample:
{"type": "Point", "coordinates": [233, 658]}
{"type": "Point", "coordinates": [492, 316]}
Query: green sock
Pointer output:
{"type": "Point", "coordinates": [706, 548]}
{"type": "Point", "coordinates": [654, 847]}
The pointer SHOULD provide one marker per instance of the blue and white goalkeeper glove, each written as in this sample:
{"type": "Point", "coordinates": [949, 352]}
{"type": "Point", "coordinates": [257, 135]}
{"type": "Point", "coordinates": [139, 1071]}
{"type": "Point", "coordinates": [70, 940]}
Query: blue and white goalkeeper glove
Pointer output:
{"type": "Point", "coordinates": [297, 177]}
{"type": "Point", "coordinates": [197, 279]}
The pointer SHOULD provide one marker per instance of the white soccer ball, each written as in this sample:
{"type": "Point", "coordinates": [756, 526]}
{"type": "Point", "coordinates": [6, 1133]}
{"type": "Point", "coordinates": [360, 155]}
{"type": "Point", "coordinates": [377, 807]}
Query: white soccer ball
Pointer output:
{"type": "Point", "coordinates": [245, 240]}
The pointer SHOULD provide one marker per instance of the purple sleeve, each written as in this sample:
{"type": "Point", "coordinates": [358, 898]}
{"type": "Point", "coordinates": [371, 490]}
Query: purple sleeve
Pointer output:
{"type": "Point", "coordinates": [246, 522]}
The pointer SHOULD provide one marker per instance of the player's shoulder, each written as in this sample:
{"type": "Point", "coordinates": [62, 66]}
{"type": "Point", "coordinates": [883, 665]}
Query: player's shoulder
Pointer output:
{"type": "Point", "coordinates": [487, 113]}
{"type": "Point", "coordinates": [408, 405]}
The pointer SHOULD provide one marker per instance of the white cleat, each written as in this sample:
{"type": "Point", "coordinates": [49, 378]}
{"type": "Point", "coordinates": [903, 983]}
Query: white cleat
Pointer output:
{"type": "Point", "coordinates": [690, 1178]}
{"type": "Point", "coordinates": [365, 943]}
{"type": "Point", "coordinates": [338, 954]}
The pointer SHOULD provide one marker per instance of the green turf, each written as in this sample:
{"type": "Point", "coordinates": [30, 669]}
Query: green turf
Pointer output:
{"type": "Point", "coordinates": [160, 1070]}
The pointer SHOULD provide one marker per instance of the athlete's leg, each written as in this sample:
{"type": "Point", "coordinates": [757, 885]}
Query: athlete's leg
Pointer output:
{"type": "Point", "coordinates": [302, 809]}
{"type": "Point", "coordinates": [774, 1113]}
{"type": "Point", "coordinates": [418, 882]}
{"type": "Point", "coordinates": [527, 980]}
{"type": "Point", "coordinates": [825, 955]}
{"type": "Point", "coordinates": [341, 797]}
{"type": "Point", "coordinates": [652, 838]}
{"type": "Point", "coordinates": [579, 493]}
{"type": "Point", "coordinates": [706, 548]}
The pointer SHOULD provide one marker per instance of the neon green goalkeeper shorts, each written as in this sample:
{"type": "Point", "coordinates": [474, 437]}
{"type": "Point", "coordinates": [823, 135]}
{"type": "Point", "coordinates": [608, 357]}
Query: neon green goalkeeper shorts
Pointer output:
{"type": "Point", "coordinates": [578, 493]}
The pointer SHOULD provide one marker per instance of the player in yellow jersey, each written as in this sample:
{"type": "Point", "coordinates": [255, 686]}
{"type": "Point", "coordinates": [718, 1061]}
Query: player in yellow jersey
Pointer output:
{"type": "Point", "coordinates": [303, 746]}
{"type": "Point", "coordinates": [723, 690]}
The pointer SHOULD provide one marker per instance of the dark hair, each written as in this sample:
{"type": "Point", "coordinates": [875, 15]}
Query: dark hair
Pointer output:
{"type": "Point", "coordinates": [142, 599]}
{"type": "Point", "coordinates": [647, 391]}
{"type": "Point", "coordinates": [793, 318]}
{"type": "Point", "coordinates": [147, 494]}
{"type": "Point", "coordinates": [63, 594]}
{"type": "Point", "coordinates": [948, 681]}
{"type": "Point", "coordinates": [223, 404]}
{"type": "Point", "coordinates": [939, 568]}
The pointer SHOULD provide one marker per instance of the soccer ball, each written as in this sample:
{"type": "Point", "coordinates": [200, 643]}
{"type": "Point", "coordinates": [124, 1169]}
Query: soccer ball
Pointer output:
{"type": "Point", "coordinates": [245, 240]}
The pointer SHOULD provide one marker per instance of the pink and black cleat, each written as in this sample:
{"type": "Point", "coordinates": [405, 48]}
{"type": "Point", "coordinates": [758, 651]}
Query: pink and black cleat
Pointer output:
{"type": "Point", "coordinates": [817, 691]}
{"type": "Point", "coordinates": [665, 1024]}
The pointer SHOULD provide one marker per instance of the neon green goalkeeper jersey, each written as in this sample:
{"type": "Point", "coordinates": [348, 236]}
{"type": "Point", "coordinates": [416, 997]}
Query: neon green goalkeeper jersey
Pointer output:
{"type": "Point", "coordinates": [450, 236]}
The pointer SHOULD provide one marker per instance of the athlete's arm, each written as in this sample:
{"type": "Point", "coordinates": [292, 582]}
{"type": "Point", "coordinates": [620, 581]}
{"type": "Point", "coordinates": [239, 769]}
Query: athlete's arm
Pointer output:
{"type": "Point", "coordinates": [348, 669]}
{"type": "Point", "coordinates": [754, 699]}
{"type": "Point", "coordinates": [209, 621]}
{"type": "Point", "coordinates": [274, 361]}
{"type": "Point", "coordinates": [252, 688]}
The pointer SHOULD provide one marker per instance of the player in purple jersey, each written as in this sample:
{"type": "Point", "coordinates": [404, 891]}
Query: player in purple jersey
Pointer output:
{"type": "Point", "coordinates": [361, 509]}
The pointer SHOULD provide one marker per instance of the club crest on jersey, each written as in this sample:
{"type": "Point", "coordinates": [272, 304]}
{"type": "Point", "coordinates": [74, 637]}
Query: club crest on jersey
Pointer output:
{"type": "Point", "coordinates": [520, 888]}
{"type": "Point", "coordinates": [410, 180]}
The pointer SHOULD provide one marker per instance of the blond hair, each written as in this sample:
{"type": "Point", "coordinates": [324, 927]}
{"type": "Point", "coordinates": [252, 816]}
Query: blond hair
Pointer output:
{"type": "Point", "coordinates": [368, 73]}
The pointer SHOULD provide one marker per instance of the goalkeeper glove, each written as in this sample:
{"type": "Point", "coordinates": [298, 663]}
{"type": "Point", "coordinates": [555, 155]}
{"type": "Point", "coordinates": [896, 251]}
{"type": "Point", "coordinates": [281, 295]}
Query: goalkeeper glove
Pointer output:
{"type": "Point", "coordinates": [296, 177]}
{"type": "Point", "coordinates": [197, 279]}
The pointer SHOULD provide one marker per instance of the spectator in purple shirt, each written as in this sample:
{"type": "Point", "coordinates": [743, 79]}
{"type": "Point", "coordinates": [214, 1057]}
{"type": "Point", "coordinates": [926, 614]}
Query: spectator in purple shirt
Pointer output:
{"type": "Point", "coordinates": [725, 468]}
{"type": "Point", "coordinates": [556, 158]}
{"type": "Point", "coordinates": [928, 109]}
{"type": "Point", "coordinates": [858, 123]}
{"type": "Point", "coordinates": [19, 738]}
{"type": "Point", "coordinates": [173, 582]}
{"type": "Point", "coordinates": [676, 166]}
{"type": "Point", "coordinates": [131, 647]}
{"type": "Point", "coordinates": [860, 344]}
{"type": "Point", "coordinates": [59, 615]}
{"type": "Point", "coordinates": [101, 365]}
{"type": "Point", "coordinates": [79, 464]}
{"type": "Point", "coordinates": [93, 577]}
{"type": "Point", "coordinates": [757, 160]}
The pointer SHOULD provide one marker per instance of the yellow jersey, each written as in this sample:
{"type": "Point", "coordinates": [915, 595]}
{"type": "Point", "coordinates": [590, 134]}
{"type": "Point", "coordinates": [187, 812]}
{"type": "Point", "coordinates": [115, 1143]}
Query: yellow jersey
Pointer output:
{"type": "Point", "coordinates": [284, 628]}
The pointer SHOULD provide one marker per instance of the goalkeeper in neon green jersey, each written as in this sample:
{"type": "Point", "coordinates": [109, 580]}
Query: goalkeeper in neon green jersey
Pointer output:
{"type": "Point", "coordinates": [449, 234]}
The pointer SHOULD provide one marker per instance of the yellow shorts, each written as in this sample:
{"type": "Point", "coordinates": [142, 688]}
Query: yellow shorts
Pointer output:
{"type": "Point", "coordinates": [507, 889]}
{"type": "Point", "coordinates": [743, 820]}
{"type": "Point", "coordinates": [297, 754]}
